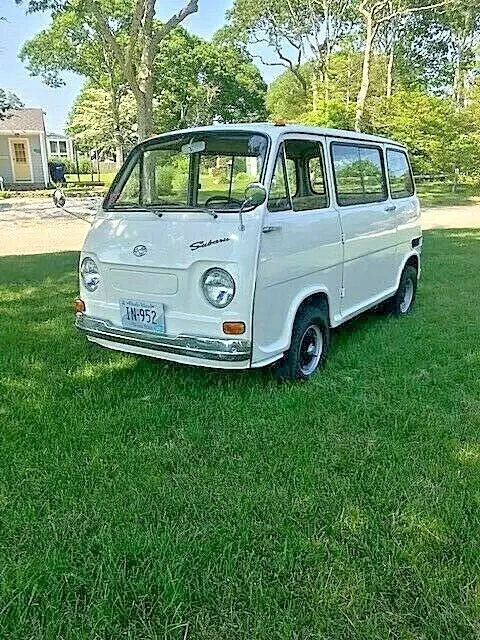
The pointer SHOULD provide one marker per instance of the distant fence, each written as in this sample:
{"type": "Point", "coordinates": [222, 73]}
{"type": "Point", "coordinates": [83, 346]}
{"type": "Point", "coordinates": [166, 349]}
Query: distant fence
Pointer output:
{"type": "Point", "coordinates": [429, 177]}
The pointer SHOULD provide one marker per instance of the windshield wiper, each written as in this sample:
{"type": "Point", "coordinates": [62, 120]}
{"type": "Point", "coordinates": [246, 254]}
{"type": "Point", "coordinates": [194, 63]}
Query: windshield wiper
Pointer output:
{"type": "Point", "coordinates": [210, 212]}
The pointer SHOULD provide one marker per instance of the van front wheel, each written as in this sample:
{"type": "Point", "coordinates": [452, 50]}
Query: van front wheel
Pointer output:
{"type": "Point", "coordinates": [309, 345]}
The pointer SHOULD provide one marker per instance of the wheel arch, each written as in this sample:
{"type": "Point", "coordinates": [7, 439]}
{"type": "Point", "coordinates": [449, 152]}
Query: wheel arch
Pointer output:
{"type": "Point", "coordinates": [304, 299]}
{"type": "Point", "coordinates": [412, 259]}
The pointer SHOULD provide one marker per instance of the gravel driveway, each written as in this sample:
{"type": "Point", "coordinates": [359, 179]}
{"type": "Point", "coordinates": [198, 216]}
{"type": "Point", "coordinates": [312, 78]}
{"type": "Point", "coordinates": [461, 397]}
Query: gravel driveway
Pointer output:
{"type": "Point", "coordinates": [34, 225]}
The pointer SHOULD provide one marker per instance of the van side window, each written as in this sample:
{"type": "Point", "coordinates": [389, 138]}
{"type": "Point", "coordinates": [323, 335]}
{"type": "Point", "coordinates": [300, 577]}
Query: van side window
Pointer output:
{"type": "Point", "coordinates": [399, 174]}
{"type": "Point", "coordinates": [310, 188]}
{"type": "Point", "coordinates": [279, 196]}
{"type": "Point", "coordinates": [359, 174]}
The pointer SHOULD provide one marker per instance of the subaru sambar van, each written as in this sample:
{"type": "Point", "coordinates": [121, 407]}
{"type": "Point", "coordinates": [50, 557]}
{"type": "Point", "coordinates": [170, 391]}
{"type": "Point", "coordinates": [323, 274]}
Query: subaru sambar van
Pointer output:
{"type": "Point", "coordinates": [238, 246]}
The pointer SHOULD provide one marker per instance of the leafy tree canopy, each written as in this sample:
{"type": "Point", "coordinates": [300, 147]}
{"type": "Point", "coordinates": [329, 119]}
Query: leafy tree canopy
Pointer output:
{"type": "Point", "coordinates": [8, 100]}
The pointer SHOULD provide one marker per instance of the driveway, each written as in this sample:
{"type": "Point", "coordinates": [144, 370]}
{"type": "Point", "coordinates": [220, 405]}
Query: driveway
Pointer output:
{"type": "Point", "coordinates": [466, 217]}
{"type": "Point", "coordinates": [34, 225]}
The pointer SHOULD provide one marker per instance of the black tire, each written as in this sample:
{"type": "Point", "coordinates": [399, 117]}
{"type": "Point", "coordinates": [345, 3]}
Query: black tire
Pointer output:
{"type": "Point", "coordinates": [311, 322]}
{"type": "Point", "coordinates": [398, 305]}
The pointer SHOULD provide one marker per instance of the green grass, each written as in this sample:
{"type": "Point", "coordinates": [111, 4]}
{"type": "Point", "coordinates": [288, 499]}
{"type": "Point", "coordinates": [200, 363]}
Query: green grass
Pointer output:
{"type": "Point", "coordinates": [141, 499]}
{"type": "Point", "coordinates": [439, 194]}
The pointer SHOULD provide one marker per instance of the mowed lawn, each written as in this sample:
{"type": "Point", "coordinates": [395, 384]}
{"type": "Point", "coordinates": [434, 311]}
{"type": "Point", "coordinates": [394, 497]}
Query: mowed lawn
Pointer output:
{"type": "Point", "coordinates": [148, 500]}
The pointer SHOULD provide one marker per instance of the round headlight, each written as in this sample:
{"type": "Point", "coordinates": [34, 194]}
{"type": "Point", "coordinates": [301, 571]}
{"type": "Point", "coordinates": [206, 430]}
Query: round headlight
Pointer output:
{"type": "Point", "coordinates": [89, 274]}
{"type": "Point", "coordinates": [218, 287]}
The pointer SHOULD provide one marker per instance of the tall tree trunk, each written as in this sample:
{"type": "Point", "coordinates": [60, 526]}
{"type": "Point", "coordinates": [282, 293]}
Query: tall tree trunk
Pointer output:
{"type": "Point", "coordinates": [114, 101]}
{"type": "Point", "coordinates": [315, 91]}
{"type": "Point", "coordinates": [144, 116]}
{"type": "Point", "coordinates": [459, 77]}
{"type": "Point", "coordinates": [349, 77]}
{"type": "Point", "coordinates": [370, 32]}
{"type": "Point", "coordinates": [391, 60]}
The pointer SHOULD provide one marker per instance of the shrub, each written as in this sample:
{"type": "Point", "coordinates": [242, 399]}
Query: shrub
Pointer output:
{"type": "Point", "coordinates": [68, 165]}
{"type": "Point", "coordinates": [164, 179]}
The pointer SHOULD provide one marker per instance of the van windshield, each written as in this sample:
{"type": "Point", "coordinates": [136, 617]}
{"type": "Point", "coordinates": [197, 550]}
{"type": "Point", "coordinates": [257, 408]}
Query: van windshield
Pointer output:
{"type": "Point", "coordinates": [201, 170]}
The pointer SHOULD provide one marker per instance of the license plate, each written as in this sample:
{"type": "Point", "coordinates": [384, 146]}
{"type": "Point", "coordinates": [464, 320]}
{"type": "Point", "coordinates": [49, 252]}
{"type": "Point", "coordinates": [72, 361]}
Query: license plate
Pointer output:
{"type": "Point", "coordinates": [141, 315]}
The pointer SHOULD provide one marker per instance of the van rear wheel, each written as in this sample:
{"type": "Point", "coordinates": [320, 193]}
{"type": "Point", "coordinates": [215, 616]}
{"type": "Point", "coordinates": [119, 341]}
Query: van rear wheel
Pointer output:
{"type": "Point", "coordinates": [309, 345]}
{"type": "Point", "coordinates": [402, 302]}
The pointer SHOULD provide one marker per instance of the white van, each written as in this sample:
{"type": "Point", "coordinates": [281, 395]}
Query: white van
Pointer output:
{"type": "Point", "coordinates": [239, 246]}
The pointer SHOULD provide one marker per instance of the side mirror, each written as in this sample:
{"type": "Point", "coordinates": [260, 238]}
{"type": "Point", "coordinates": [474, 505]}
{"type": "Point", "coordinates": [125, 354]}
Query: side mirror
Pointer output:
{"type": "Point", "coordinates": [255, 194]}
{"type": "Point", "coordinates": [59, 198]}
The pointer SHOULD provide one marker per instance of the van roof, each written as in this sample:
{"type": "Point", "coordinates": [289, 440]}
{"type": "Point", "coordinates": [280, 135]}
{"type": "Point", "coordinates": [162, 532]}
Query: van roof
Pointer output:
{"type": "Point", "coordinates": [275, 130]}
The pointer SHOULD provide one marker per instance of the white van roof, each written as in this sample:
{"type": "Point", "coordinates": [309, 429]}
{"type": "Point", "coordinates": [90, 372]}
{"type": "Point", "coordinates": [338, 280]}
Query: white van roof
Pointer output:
{"type": "Point", "coordinates": [275, 130]}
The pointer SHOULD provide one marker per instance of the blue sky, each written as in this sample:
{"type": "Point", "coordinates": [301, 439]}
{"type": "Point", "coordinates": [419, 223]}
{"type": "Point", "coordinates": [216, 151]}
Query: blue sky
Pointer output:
{"type": "Point", "coordinates": [18, 27]}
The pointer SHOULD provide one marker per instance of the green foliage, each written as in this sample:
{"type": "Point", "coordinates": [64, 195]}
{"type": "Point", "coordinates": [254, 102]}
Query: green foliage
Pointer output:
{"type": "Point", "coordinates": [8, 100]}
{"type": "Point", "coordinates": [164, 179]}
{"type": "Point", "coordinates": [440, 138]}
{"type": "Point", "coordinates": [68, 165]}
{"type": "Point", "coordinates": [286, 99]}
{"type": "Point", "coordinates": [207, 81]}
{"type": "Point", "coordinates": [91, 121]}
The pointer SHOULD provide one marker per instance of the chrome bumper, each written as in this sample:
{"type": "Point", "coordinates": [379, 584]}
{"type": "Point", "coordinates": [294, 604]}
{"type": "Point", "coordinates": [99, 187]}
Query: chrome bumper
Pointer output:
{"type": "Point", "coordinates": [224, 349]}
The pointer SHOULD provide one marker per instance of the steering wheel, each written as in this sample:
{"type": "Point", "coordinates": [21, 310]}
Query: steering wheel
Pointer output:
{"type": "Point", "coordinates": [222, 199]}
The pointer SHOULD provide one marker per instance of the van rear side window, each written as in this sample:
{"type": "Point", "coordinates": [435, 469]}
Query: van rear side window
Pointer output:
{"type": "Point", "coordinates": [399, 174]}
{"type": "Point", "coordinates": [359, 174]}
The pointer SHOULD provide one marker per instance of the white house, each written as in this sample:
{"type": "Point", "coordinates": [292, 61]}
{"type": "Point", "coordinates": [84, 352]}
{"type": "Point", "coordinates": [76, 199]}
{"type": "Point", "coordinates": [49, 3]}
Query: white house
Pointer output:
{"type": "Point", "coordinates": [23, 150]}
{"type": "Point", "coordinates": [59, 146]}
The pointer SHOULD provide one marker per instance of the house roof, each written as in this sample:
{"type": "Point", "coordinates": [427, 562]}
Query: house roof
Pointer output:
{"type": "Point", "coordinates": [23, 120]}
{"type": "Point", "coordinates": [59, 136]}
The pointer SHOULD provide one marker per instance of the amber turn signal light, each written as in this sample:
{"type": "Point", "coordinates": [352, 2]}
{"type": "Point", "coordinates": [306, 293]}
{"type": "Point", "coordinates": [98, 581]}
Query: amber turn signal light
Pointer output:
{"type": "Point", "coordinates": [233, 328]}
{"type": "Point", "coordinates": [79, 305]}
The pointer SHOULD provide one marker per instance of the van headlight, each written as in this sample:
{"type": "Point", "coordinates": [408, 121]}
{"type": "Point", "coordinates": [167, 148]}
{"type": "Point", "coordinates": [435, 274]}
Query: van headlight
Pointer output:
{"type": "Point", "coordinates": [218, 287]}
{"type": "Point", "coordinates": [89, 274]}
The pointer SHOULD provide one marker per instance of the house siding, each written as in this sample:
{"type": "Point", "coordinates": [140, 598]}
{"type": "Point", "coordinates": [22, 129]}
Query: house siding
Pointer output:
{"type": "Point", "coordinates": [36, 156]}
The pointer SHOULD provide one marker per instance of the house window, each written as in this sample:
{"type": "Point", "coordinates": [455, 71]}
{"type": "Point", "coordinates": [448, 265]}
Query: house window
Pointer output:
{"type": "Point", "coordinates": [53, 147]}
{"type": "Point", "coordinates": [63, 147]}
{"type": "Point", "coordinates": [19, 152]}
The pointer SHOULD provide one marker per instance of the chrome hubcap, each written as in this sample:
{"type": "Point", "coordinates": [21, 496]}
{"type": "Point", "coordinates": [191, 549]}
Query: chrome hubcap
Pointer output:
{"type": "Point", "coordinates": [407, 296]}
{"type": "Point", "coordinates": [310, 352]}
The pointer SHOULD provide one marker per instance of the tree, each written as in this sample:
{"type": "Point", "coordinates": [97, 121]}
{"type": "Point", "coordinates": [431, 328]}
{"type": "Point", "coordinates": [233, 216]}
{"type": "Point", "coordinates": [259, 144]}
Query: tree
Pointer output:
{"type": "Point", "coordinates": [69, 45]}
{"type": "Point", "coordinates": [463, 27]}
{"type": "Point", "coordinates": [440, 138]}
{"type": "Point", "coordinates": [285, 101]}
{"type": "Point", "coordinates": [8, 101]}
{"type": "Point", "coordinates": [206, 81]}
{"type": "Point", "coordinates": [295, 31]}
{"type": "Point", "coordinates": [128, 31]}
{"type": "Point", "coordinates": [377, 14]}
{"type": "Point", "coordinates": [93, 125]}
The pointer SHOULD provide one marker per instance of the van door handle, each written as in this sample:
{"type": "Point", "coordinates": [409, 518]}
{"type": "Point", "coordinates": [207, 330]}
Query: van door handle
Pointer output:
{"type": "Point", "coordinates": [391, 208]}
{"type": "Point", "coordinates": [274, 227]}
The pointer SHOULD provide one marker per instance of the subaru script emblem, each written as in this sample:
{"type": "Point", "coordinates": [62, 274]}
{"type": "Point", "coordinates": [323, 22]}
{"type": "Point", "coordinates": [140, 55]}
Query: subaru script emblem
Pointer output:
{"type": "Point", "coordinates": [140, 250]}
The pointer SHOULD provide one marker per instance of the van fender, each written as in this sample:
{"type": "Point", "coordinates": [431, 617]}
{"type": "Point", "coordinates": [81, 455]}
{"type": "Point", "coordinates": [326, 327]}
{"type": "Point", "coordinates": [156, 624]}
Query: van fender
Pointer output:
{"type": "Point", "coordinates": [411, 254]}
{"type": "Point", "coordinates": [295, 305]}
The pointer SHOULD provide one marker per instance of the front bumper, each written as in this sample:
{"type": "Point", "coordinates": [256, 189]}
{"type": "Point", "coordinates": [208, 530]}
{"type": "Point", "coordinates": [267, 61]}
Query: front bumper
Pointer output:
{"type": "Point", "coordinates": [214, 349]}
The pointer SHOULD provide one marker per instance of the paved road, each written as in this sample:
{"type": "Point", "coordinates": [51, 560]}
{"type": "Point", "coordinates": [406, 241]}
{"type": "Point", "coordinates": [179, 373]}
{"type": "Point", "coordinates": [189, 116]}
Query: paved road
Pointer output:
{"type": "Point", "coordinates": [34, 225]}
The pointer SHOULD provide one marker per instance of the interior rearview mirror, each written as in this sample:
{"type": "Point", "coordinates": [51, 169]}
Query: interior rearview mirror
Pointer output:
{"type": "Point", "coordinates": [59, 198]}
{"type": "Point", "coordinates": [255, 194]}
{"type": "Point", "coordinates": [194, 147]}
